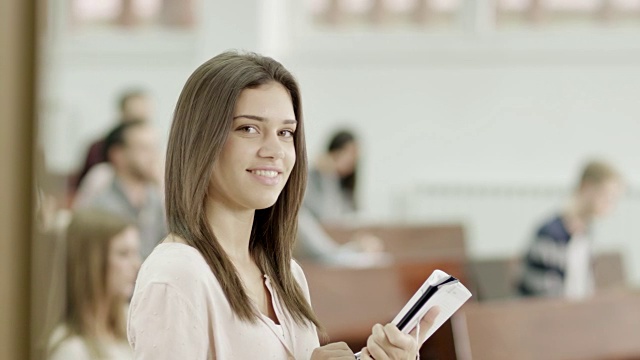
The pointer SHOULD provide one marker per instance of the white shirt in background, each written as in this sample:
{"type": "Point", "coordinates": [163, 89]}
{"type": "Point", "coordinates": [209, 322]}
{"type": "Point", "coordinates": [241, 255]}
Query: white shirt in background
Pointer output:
{"type": "Point", "coordinates": [579, 283]}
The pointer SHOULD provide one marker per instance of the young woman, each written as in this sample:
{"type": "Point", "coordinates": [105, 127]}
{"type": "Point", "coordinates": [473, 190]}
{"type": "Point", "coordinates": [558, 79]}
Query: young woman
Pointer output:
{"type": "Point", "coordinates": [222, 285]}
{"type": "Point", "coordinates": [102, 262]}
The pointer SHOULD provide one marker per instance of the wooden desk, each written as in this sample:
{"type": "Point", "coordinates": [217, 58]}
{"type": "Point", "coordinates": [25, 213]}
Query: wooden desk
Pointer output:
{"type": "Point", "coordinates": [495, 278]}
{"type": "Point", "coordinates": [605, 327]}
{"type": "Point", "coordinates": [350, 301]}
{"type": "Point", "coordinates": [410, 242]}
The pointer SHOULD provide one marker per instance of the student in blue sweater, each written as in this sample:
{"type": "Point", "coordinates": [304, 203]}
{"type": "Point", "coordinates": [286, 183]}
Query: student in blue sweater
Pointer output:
{"type": "Point", "coordinates": [558, 262]}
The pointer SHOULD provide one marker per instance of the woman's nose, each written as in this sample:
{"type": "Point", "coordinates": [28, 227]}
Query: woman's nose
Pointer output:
{"type": "Point", "coordinates": [272, 148]}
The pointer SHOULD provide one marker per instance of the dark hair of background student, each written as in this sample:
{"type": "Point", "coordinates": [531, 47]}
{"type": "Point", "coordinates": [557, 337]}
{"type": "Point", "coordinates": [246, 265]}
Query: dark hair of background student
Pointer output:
{"type": "Point", "coordinates": [337, 143]}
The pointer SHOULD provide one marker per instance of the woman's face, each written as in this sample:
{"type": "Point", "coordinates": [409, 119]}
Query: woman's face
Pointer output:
{"type": "Point", "coordinates": [346, 159]}
{"type": "Point", "coordinates": [123, 263]}
{"type": "Point", "coordinates": [259, 153]}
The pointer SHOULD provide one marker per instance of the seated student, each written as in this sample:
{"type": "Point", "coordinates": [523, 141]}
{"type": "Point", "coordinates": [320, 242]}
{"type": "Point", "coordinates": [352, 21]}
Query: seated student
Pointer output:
{"type": "Point", "coordinates": [134, 105]}
{"type": "Point", "coordinates": [102, 262]}
{"type": "Point", "coordinates": [132, 189]}
{"type": "Point", "coordinates": [558, 262]}
{"type": "Point", "coordinates": [330, 196]}
{"type": "Point", "coordinates": [94, 182]}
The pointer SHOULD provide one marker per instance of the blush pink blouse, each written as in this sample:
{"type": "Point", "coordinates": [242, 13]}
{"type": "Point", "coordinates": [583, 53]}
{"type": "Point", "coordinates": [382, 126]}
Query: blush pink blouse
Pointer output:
{"type": "Point", "coordinates": [178, 311]}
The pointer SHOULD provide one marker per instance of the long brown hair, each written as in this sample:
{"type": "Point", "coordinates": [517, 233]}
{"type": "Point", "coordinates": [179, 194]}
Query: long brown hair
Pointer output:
{"type": "Point", "coordinates": [201, 123]}
{"type": "Point", "coordinates": [89, 237]}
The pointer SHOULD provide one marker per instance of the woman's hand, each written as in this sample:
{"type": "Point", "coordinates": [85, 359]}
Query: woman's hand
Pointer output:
{"type": "Point", "coordinates": [389, 343]}
{"type": "Point", "coordinates": [337, 351]}
{"type": "Point", "coordinates": [368, 243]}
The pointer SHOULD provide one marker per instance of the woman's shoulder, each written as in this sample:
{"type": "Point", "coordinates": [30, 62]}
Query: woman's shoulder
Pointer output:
{"type": "Point", "coordinates": [296, 269]}
{"type": "Point", "coordinates": [173, 263]}
{"type": "Point", "coordinates": [72, 348]}
{"type": "Point", "coordinates": [298, 274]}
{"type": "Point", "coordinates": [174, 273]}
{"type": "Point", "coordinates": [170, 254]}
{"type": "Point", "coordinates": [63, 346]}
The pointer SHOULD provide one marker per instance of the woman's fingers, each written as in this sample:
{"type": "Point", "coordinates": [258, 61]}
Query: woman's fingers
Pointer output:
{"type": "Point", "coordinates": [377, 343]}
{"type": "Point", "coordinates": [398, 340]}
{"type": "Point", "coordinates": [364, 354]}
{"type": "Point", "coordinates": [426, 323]}
{"type": "Point", "coordinates": [389, 343]}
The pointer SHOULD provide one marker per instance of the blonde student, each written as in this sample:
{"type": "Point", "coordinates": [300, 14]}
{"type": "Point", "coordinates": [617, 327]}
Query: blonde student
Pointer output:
{"type": "Point", "coordinates": [102, 262]}
{"type": "Point", "coordinates": [222, 285]}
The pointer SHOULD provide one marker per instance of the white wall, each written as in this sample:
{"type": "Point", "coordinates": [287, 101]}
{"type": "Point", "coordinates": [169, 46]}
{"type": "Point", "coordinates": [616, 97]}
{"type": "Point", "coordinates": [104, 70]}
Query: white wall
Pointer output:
{"type": "Point", "coordinates": [524, 124]}
{"type": "Point", "coordinates": [458, 108]}
{"type": "Point", "coordinates": [85, 72]}
{"type": "Point", "coordinates": [483, 119]}
{"type": "Point", "coordinates": [86, 106]}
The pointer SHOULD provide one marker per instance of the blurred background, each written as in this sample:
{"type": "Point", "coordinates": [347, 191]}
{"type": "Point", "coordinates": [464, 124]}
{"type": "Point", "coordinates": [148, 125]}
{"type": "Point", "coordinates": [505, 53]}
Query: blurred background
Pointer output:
{"type": "Point", "coordinates": [472, 115]}
{"type": "Point", "coordinates": [460, 105]}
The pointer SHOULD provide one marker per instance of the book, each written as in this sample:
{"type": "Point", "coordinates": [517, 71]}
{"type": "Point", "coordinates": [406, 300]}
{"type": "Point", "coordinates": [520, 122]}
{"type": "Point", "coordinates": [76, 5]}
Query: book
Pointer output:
{"type": "Point", "coordinates": [441, 290]}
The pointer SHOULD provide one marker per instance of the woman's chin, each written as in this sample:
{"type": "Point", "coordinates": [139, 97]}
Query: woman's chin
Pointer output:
{"type": "Point", "coordinates": [263, 202]}
{"type": "Point", "coordinates": [265, 205]}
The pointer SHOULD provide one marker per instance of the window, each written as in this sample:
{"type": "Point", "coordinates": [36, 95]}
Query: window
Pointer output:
{"type": "Point", "coordinates": [130, 13]}
{"type": "Point", "coordinates": [385, 13]}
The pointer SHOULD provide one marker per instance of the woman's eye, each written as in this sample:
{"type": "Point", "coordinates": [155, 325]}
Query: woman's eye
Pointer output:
{"type": "Point", "coordinates": [287, 133]}
{"type": "Point", "coordinates": [248, 129]}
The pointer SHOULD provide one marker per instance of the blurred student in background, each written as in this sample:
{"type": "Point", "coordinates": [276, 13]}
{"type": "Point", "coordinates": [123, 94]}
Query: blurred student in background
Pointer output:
{"type": "Point", "coordinates": [132, 191]}
{"type": "Point", "coordinates": [331, 188]}
{"type": "Point", "coordinates": [330, 198]}
{"type": "Point", "coordinates": [102, 262]}
{"type": "Point", "coordinates": [558, 263]}
{"type": "Point", "coordinates": [133, 105]}
{"type": "Point", "coordinates": [315, 245]}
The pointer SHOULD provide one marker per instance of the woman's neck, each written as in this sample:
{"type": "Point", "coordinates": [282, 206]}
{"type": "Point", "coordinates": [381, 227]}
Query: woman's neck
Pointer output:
{"type": "Point", "coordinates": [232, 229]}
{"type": "Point", "coordinates": [98, 322]}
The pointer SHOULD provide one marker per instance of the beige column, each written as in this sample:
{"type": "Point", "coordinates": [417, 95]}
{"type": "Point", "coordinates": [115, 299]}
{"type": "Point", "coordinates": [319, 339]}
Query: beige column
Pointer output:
{"type": "Point", "coordinates": [17, 93]}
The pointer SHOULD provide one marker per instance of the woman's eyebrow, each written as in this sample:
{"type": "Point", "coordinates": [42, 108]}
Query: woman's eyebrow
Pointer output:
{"type": "Point", "coordinates": [263, 119]}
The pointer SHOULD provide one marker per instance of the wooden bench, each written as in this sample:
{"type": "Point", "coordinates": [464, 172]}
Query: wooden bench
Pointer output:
{"type": "Point", "coordinates": [409, 242]}
{"type": "Point", "coordinates": [604, 327]}
{"type": "Point", "coordinates": [609, 271]}
{"type": "Point", "coordinates": [494, 278]}
{"type": "Point", "coordinates": [417, 250]}
{"type": "Point", "coordinates": [349, 301]}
